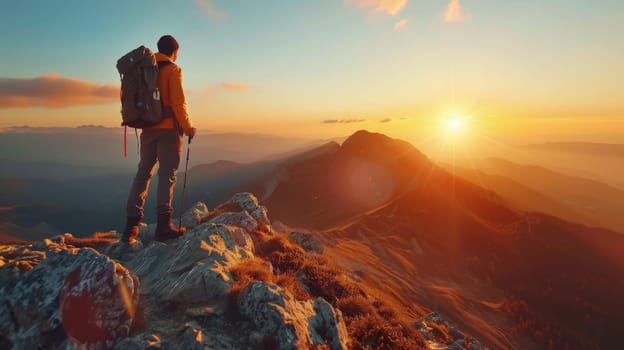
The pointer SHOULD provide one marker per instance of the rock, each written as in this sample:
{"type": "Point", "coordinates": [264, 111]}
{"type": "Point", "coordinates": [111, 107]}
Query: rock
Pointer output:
{"type": "Point", "coordinates": [307, 241]}
{"type": "Point", "coordinates": [123, 251]}
{"type": "Point", "coordinates": [434, 317]}
{"type": "Point", "coordinates": [98, 301]}
{"type": "Point", "coordinates": [474, 345]}
{"type": "Point", "coordinates": [260, 214]}
{"type": "Point", "coordinates": [194, 338]}
{"type": "Point", "coordinates": [146, 232]}
{"type": "Point", "coordinates": [205, 311]}
{"type": "Point", "coordinates": [293, 324]}
{"type": "Point", "coordinates": [245, 200]}
{"type": "Point", "coordinates": [92, 295]}
{"type": "Point", "coordinates": [459, 340]}
{"type": "Point", "coordinates": [459, 343]}
{"type": "Point", "coordinates": [242, 219]}
{"type": "Point", "coordinates": [249, 203]}
{"type": "Point", "coordinates": [49, 243]}
{"type": "Point", "coordinates": [455, 332]}
{"type": "Point", "coordinates": [329, 326]}
{"type": "Point", "coordinates": [420, 324]}
{"type": "Point", "coordinates": [195, 268]}
{"type": "Point", "coordinates": [194, 216]}
{"type": "Point", "coordinates": [140, 342]}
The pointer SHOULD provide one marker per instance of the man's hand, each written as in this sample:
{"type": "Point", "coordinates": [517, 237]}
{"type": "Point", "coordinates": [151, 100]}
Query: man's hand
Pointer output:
{"type": "Point", "coordinates": [191, 132]}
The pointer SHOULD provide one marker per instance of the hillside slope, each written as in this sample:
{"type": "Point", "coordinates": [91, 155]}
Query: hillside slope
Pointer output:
{"type": "Point", "coordinates": [515, 279]}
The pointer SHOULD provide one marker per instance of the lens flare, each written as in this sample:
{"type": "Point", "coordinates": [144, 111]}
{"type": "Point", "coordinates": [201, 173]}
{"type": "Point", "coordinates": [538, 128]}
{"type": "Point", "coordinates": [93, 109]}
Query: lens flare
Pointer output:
{"type": "Point", "coordinates": [455, 122]}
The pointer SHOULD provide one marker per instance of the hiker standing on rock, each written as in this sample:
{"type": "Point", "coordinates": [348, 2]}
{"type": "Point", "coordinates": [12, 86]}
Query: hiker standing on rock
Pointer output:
{"type": "Point", "coordinates": [162, 143]}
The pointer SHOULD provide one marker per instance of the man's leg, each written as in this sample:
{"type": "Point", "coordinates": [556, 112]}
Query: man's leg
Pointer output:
{"type": "Point", "coordinates": [138, 192]}
{"type": "Point", "coordinates": [169, 150]}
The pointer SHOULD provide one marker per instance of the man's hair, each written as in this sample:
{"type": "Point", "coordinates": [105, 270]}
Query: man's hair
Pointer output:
{"type": "Point", "coordinates": [167, 44]}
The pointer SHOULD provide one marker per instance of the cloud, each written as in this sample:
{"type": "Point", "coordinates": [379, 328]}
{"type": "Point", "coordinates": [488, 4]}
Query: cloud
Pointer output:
{"type": "Point", "coordinates": [54, 91]}
{"type": "Point", "coordinates": [238, 87]}
{"type": "Point", "coordinates": [210, 9]}
{"type": "Point", "coordinates": [226, 86]}
{"type": "Point", "coordinates": [454, 12]}
{"type": "Point", "coordinates": [391, 7]}
{"type": "Point", "coordinates": [343, 121]}
{"type": "Point", "coordinates": [402, 24]}
{"type": "Point", "coordinates": [386, 120]}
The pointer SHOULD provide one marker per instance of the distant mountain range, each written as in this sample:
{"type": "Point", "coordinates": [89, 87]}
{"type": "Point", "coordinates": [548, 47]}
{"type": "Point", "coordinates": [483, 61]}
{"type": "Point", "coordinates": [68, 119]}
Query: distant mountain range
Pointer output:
{"type": "Point", "coordinates": [535, 188]}
{"type": "Point", "coordinates": [597, 161]}
{"type": "Point", "coordinates": [576, 148]}
{"type": "Point", "coordinates": [62, 153]}
{"type": "Point", "coordinates": [76, 179]}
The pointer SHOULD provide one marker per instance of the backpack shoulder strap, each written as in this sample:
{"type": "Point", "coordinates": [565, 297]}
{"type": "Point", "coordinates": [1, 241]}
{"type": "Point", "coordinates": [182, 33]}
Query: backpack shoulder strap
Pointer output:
{"type": "Point", "coordinates": [163, 63]}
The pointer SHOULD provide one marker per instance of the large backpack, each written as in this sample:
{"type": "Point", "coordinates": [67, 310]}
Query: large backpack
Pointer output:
{"type": "Point", "coordinates": [141, 105]}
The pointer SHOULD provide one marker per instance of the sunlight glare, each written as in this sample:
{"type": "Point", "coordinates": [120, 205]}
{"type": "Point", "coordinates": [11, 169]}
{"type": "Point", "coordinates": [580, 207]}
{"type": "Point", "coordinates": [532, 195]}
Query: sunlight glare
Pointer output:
{"type": "Point", "coordinates": [455, 122]}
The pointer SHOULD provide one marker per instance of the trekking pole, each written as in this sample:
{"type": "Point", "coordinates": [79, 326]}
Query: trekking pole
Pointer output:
{"type": "Point", "coordinates": [188, 149]}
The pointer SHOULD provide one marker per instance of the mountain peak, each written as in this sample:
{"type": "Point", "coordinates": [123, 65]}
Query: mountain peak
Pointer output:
{"type": "Point", "coordinates": [365, 137]}
{"type": "Point", "coordinates": [377, 145]}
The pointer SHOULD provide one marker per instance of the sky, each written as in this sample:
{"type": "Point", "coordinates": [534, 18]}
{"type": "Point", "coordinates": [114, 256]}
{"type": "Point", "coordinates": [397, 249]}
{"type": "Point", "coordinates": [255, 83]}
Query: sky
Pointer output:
{"type": "Point", "coordinates": [515, 70]}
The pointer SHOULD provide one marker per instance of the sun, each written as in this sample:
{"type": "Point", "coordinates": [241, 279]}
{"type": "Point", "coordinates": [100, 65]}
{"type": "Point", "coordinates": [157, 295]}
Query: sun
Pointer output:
{"type": "Point", "coordinates": [455, 122]}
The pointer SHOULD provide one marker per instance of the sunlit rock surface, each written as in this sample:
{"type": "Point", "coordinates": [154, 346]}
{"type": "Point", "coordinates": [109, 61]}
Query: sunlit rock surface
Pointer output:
{"type": "Point", "coordinates": [96, 293]}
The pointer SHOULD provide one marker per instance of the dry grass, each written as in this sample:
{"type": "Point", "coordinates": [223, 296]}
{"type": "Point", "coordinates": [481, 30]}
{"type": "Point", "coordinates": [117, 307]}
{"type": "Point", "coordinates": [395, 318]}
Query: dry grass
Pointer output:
{"type": "Point", "coordinates": [373, 332]}
{"type": "Point", "coordinates": [249, 271]}
{"type": "Point", "coordinates": [291, 283]}
{"type": "Point", "coordinates": [98, 239]}
{"type": "Point", "coordinates": [371, 323]}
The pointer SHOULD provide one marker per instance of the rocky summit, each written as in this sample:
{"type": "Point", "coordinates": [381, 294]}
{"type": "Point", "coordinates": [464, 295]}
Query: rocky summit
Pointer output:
{"type": "Point", "coordinates": [232, 282]}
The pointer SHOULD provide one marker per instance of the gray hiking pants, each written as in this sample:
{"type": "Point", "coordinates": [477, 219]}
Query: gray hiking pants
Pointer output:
{"type": "Point", "coordinates": [157, 145]}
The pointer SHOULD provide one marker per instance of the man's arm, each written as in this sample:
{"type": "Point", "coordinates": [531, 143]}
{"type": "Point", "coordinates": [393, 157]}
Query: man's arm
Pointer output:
{"type": "Point", "coordinates": [178, 102]}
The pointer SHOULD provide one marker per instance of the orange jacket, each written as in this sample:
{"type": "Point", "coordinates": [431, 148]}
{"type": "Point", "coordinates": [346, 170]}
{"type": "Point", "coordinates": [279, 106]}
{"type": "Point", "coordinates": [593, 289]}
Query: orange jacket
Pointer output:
{"type": "Point", "coordinates": [172, 94]}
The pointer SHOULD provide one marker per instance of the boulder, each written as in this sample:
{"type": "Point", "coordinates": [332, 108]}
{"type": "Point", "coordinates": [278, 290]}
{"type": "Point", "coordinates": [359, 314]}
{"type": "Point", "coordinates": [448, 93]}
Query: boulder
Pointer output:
{"type": "Point", "coordinates": [250, 204]}
{"type": "Point", "coordinates": [194, 216]}
{"type": "Point", "coordinates": [140, 342]}
{"type": "Point", "coordinates": [293, 324]}
{"type": "Point", "coordinates": [245, 200]}
{"type": "Point", "coordinates": [328, 325]}
{"type": "Point", "coordinates": [194, 268]}
{"type": "Point", "coordinates": [241, 219]}
{"type": "Point", "coordinates": [98, 301]}
{"type": "Point", "coordinates": [70, 291]}
{"type": "Point", "coordinates": [194, 338]}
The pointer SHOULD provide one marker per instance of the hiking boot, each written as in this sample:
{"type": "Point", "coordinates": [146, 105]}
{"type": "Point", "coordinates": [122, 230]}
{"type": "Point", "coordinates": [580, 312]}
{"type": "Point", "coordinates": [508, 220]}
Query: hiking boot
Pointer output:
{"type": "Point", "coordinates": [131, 232]}
{"type": "Point", "coordinates": [166, 230]}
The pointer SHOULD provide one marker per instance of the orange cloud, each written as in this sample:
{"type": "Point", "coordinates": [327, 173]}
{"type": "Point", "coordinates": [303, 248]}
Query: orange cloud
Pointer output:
{"type": "Point", "coordinates": [454, 12]}
{"type": "Point", "coordinates": [210, 9]}
{"type": "Point", "coordinates": [227, 86]}
{"type": "Point", "coordinates": [234, 86]}
{"type": "Point", "coordinates": [54, 91]}
{"type": "Point", "coordinates": [402, 24]}
{"type": "Point", "coordinates": [343, 121]}
{"type": "Point", "coordinates": [391, 7]}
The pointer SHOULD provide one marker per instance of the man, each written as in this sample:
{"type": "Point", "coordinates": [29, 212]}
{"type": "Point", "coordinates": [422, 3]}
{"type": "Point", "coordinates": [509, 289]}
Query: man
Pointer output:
{"type": "Point", "coordinates": [161, 143]}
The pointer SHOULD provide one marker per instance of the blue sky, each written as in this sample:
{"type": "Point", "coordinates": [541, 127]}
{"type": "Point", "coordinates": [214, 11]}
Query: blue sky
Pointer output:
{"type": "Point", "coordinates": [298, 62]}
